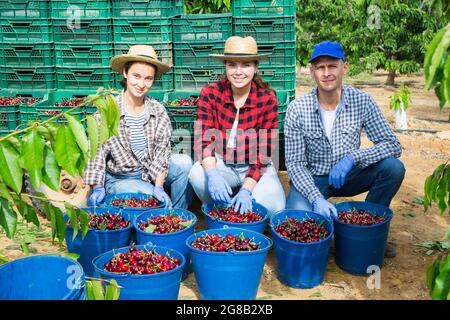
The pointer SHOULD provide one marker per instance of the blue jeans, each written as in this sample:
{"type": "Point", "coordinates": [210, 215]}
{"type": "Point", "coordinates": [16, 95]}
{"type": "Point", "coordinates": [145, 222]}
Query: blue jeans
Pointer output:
{"type": "Point", "coordinates": [268, 191]}
{"type": "Point", "coordinates": [176, 181]}
{"type": "Point", "coordinates": [382, 180]}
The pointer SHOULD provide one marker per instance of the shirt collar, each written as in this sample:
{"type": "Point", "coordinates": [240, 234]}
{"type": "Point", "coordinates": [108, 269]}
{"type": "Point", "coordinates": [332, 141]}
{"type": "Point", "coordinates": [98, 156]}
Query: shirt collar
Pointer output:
{"type": "Point", "coordinates": [251, 96]}
{"type": "Point", "coordinates": [342, 103]}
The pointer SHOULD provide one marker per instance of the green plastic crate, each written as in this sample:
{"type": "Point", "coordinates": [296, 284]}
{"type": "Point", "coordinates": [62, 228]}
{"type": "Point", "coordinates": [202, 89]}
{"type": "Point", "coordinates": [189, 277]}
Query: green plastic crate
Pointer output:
{"type": "Point", "coordinates": [281, 54]}
{"type": "Point", "coordinates": [267, 29]}
{"type": "Point", "coordinates": [163, 82]}
{"type": "Point", "coordinates": [279, 78]}
{"type": "Point", "coordinates": [263, 7]}
{"type": "Point", "coordinates": [24, 9]}
{"type": "Point", "coordinates": [195, 78]}
{"type": "Point", "coordinates": [145, 31]}
{"type": "Point", "coordinates": [82, 31]}
{"type": "Point", "coordinates": [197, 54]}
{"type": "Point", "coordinates": [80, 9]}
{"type": "Point", "coordinates": [138, 9]}
{"type": "Point", "coordinates": [84, 78]}
{"type": "Point", "coordinates": [83, 55]}
{"type": "Point", "coordinates": [25, 30]}
{"type": "Point", "coordinates": [26, 54]}
{"type": "Point", "coordinates": [39, 95]}
{"type": "Point", "coordinates": [27, 78]}
{"type": "Point", "coordinates": [202, 28]}
{"type": "Point", "coordinates": [181, 117]}
{"type": "Point", "coordinates": [163, 50]}
{"type": "Point", "coordinates": [9, 120]}
{"type": "Point", "coordinates": [284, 98]}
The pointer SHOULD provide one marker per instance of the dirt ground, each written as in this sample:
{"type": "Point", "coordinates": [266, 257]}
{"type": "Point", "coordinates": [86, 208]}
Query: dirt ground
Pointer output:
{"type": "Point", "coordinates": [402, 277]}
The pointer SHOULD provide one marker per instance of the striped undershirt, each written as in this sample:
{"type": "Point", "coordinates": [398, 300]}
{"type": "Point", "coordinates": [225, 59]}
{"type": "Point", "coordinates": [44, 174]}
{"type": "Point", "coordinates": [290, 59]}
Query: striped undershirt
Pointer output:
{"type": "Point", "coordinates": [138, 139]}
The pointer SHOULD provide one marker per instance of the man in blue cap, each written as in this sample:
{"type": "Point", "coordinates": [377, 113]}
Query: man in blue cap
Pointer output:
{"type": "Point", "coordinates": [323, 132]}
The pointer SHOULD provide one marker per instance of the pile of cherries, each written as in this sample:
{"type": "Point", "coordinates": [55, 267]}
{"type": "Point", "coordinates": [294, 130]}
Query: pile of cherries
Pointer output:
{"type": "Point", "coordinates": [137, 261]}
{"type": "Point", "coordinates": [360, 217]}
{"type": "Point", "coordinates": [51, 112]}
{"type": "Point", "coordinates": [229, 215]}
{"type": "Point", "coordinates": [183, 102]}
{"type": "Point", "coordinates": [135, 203]}
{"type": "Point", "coordinates": [162, 224]}
{"type": "Point", "coordinates": [108, 221]}
{"type": "Point", "coordinates": [13, 101]}
{"type": "Point", "coordinates": [218, 243]}
{"type": "Point", "coordinates": [70, 103]}
{"type": "Point", "coordinates": [307, 230]}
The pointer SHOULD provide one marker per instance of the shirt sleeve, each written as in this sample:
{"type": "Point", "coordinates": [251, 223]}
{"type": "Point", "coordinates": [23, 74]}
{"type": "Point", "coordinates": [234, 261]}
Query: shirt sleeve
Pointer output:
{"type": "Point", "coordinates": [95, 171]}
{"type": "Point", "coordinates": [205, 131]}
{"type": "Point", "coordinates": [267, 136]}
{"type": "Point", "coordinates": [380, 133]}
{"type": "Point", "coordinates": [296, 162]}
{"type": "Point", "coordinates": [162, 149]}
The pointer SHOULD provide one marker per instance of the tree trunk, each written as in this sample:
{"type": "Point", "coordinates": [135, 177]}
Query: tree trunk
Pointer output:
{"type": "Point", "coordinates": [391, 78]}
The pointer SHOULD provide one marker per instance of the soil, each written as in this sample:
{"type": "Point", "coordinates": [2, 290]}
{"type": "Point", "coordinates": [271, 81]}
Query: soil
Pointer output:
{"type": "Point", "coordinates": [402, 277]}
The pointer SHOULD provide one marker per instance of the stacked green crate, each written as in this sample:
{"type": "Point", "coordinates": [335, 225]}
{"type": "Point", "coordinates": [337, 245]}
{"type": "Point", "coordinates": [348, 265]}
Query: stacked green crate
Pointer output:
{"type": "Point", "coordinates": [272, 24]}
{"type": "Point", "coordinates": [26, 58]}
{"type": "Point", "coordinates": [146, 22]}
{"type": "Point", "coordinates": [82, 33]}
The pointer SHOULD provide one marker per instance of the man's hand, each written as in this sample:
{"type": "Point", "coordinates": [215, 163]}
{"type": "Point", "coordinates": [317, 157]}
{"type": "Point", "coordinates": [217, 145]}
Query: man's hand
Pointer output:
{"type": "Point", "coordinates": [97, 196]}
{"type": "Point", "coordinates": [339, 172]}
{"type": "Point", "coordinates": [324, 208]}
{"type": "Point", "coordinates": [218, 187]}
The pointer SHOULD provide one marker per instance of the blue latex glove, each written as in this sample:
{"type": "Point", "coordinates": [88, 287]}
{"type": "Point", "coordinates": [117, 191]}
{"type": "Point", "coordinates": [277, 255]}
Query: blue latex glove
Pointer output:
{"type": "Point", "coordinates": [339, 172]}
{"type": "Point", "coordinates": [162, 196]}
{"type": "Point", "coordinates": [242, 201]}
{"type": "Point", "coordinates": [97, 196]}
{"type": "Point", "coordinates": [324, 208]}
{"type": "Point", "coordinates": [218, 187]}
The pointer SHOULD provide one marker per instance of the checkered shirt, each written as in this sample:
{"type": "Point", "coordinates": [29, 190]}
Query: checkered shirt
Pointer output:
{"type": "Point", "coordinates": [116, 155]}
{"type": "Point", "coordinates": [309, 152]}
{"type": "Point", "coordinates": [257, 128]}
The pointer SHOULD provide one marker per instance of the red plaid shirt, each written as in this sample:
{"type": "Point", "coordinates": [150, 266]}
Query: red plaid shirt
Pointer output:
{"type": "Point", "coordinates": [257, 127]}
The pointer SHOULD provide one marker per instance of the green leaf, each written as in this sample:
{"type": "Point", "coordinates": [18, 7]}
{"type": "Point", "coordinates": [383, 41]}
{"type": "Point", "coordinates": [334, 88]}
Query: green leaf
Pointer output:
{"type": "Point", "coordinates": [436, 59]}
{"type": "Point", "coordinates": [84, 222]}
{"type": "Point", "coordinates": [16, 143]}
{"type": "Point", "coordinates": [52, 130]}
{"type": "Point", "coordinates": [432, 273]}
{"type": "Point", "coordinates": [92, 127]}
{"type": "Point", "coordinates": [442, 191]}
{"type": "Point", "coordinates": [24, 247]}
{"type": "Point", "coordinates": [104, 131]}
{"type": "Point", "coordinates": [112, 291]}
{"type": "Point", "coordinates": [186, 223]}
{"type": "Point", "coordinates": [10, 170]}
{"type": "Point", "coordinates": [27, 211]}
{"type": "Point", "coordinates": [32, 157]}
{"type": "Point", "coordinates": [113, 115]}
{"type": "Point", "coordinates": [97, 289]}
{"type": "Point", "coordinates": [241, 236]}
{"type": "Point", "coordinates": [66, 150]}
{"type": "Point", "coordinates": [8, 218]}
{"type": "Point", "coordinates": [150, 228]}
{"type": "Point", "coordinates": [72, 255]}
{"type": "Point", "coordinates": [89, 291]}
{"type": "Point", "coordinates": [79, 134]}
{"type": "Point", "coordinates": [4, 192]}
{"type": "Point", "coordinates": [441, 286]}
{"type": "Point", "coordinates": [73, 219]}
{"type": "Point", "coordinates": [60, 224]}
{"type": "Point", "coordinates": [45, 133]}
{"type": "Point", "coordinates": [51, 172]}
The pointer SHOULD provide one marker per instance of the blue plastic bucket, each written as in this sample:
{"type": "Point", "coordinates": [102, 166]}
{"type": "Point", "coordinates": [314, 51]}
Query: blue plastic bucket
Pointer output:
{"type": "Point", "coordinates": [360, 247]}
{"type": "Point", "coordinates": [134, 212]}
{"type": "Point", "coordinates": [175, 240]}
{"type": "Point", "coordinates": [229, 275]}
{"type": "Point", "coordinates": [300, 265]}
{"type": "Point", "coordinates": [158, 286]}
{"type": "Point", "coordinates": [97, 241]}
{"type": "Point", "coordinates": [212, 223]}
{"type": "Point", "coordinates": [41, 277]}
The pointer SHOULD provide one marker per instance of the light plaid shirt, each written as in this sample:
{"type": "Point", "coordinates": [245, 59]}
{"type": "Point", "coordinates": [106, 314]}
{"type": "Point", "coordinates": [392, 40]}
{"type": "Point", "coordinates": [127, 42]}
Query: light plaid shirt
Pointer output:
{"type": "Point", "coordinates": [309, 152]}
{"type": "Point", "coordinates": [116, 155]}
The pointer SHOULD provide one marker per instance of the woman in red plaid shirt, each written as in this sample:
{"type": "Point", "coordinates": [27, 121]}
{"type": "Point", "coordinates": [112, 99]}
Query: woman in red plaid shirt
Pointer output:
{"type": "Point", "coordinates": [235, 134]}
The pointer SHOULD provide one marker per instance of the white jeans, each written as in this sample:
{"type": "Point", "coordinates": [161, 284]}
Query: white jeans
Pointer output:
{"type": "Point", "coordinates": [268, 191]}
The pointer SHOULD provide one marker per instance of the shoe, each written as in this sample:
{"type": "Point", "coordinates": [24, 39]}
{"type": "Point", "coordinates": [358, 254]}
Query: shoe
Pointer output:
{"type": "Point", "coordinates": [390, 251]}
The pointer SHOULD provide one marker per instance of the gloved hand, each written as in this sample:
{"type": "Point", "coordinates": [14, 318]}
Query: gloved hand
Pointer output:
{"type": "Point", "coordinates": [97, 196]}
{"type": "Point", "coordinates": [339, 172]}
{"type": "Point", "coordinates": [218, 187]}
{"type": "Point", "coordinates": [324, 208]}
{"type": "Point", "coordinates": [242, 201]}
{"type": "Point", "coordinates": [161, 195]}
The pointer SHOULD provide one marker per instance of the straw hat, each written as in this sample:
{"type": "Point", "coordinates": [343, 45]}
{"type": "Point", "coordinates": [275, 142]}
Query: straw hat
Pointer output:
{"type": "Point", "coordinates": [138, 53]}
{"type": "Point", "coordinates": [240, 49]}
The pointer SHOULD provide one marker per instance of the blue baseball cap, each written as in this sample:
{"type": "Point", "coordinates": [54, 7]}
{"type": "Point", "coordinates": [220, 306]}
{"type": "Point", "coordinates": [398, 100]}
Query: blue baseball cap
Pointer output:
{"type": "Point", "coordinates": [328, 48]}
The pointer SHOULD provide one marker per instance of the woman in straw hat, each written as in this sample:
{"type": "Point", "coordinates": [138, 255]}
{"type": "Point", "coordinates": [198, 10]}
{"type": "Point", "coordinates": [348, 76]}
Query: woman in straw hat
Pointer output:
{"type": "Point", "coordinates": [139, 160]}
{"type": "Point", "coordinates": [235, 131]}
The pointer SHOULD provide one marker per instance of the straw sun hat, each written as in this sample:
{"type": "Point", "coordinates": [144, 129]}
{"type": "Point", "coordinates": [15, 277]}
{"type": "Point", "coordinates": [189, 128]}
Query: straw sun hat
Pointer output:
{"type": "Point", "coordinates": [138, 53]}
{"type": "Point", "coordinates": [240, 49]}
